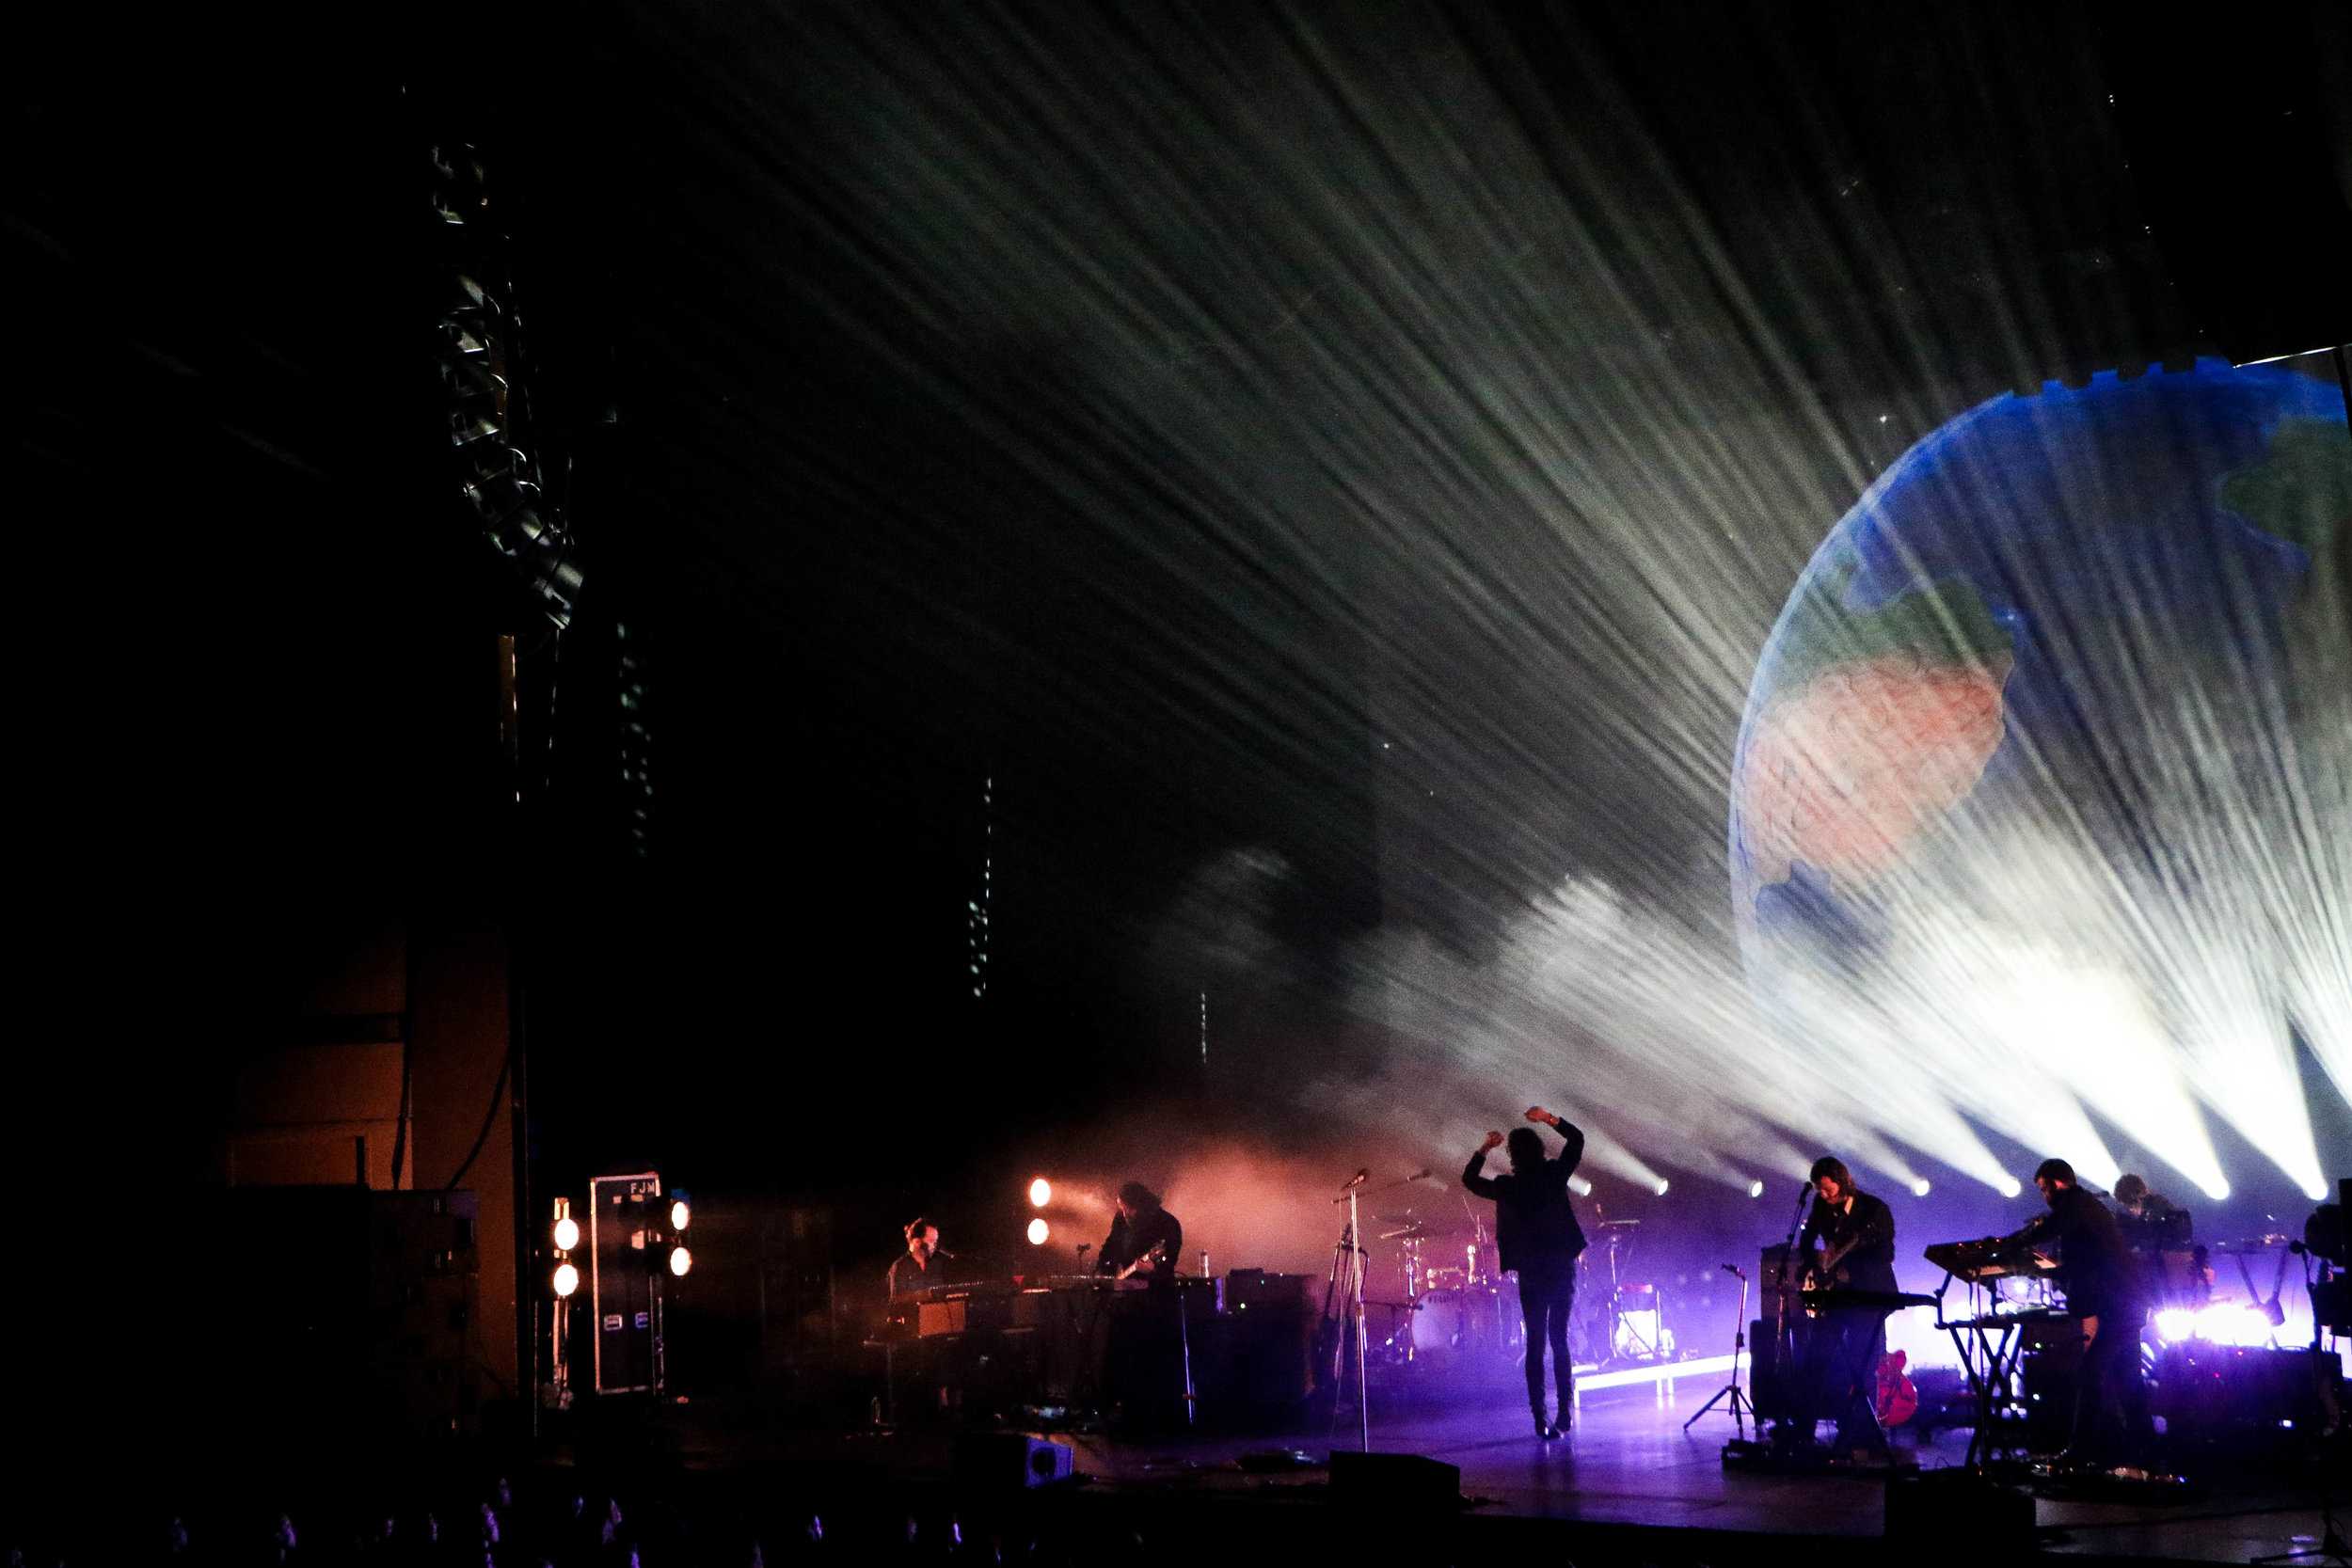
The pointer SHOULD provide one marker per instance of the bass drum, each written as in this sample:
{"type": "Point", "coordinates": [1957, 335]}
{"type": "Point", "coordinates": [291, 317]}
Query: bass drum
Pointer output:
{"type": "Point", "coordinates": [1474, 1322]}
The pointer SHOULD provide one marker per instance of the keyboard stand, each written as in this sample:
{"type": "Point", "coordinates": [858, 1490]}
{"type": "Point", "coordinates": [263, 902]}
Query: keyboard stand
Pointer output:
{"type": "Point", "coordinates": [1992, 1364]}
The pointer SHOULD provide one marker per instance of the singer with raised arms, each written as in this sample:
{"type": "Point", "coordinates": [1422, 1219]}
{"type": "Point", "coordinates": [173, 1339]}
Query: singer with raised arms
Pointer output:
{"type": "Point", "coordinates": [1537, 1235]}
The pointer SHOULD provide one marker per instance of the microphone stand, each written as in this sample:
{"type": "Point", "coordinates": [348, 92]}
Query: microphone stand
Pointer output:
{"type": "Point", "coordinates": [1739, 1341]}
{"type": "Point", "coordinates": [1352, 1250]}
{"type": "Point", "coordinates": [1782, 1350]}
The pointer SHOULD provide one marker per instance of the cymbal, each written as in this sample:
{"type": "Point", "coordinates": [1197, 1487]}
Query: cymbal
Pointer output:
{"type": "Point", "coordinates": [1405, 1218]}
{"type": "Point", "coordinates": [1618, 1225]}
{"type": "Point", "coordinates": [1436, 1227]}
{"type": "Point", "coordinates": [1412, 1233]}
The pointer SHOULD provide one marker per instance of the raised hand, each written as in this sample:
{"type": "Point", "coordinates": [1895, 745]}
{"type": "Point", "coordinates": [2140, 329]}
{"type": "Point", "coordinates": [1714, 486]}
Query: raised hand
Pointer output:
{"type": "Point", "coordinates": [1536, 1113]}
{"type": "Point", "coordinates": [1494, 1140]}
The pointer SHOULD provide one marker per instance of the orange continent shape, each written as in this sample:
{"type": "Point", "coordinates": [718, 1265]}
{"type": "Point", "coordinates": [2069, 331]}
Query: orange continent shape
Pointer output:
{"type": "Point", "coordinates": [1843, 772]}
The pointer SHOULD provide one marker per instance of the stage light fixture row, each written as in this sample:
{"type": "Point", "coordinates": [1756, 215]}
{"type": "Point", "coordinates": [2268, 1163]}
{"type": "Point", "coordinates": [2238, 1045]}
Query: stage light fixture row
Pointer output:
{"type": "Point", "coordinates": [1039, 1230]}
{"type": "Point", "coordinates": [566, 1234]}
{"type": "Point", "coordinates": [680, 1212]}
{"type": "Point", "coordinates": [680, 1260]}
{"type": "Point", "coordinates": [1040, 1193]}
{"type": "Point", "coordinates": [566, 1280]}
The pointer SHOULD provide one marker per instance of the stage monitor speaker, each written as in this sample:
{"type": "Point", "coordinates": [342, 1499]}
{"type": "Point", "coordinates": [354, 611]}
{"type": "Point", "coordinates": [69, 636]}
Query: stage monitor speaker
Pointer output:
{"type": "Point", "coordinates": [1938, 1514]}
{"type": "Point", "coordinates": [1011, 1461]}
{"type": "Point", "coordinates": [1409, 1481]}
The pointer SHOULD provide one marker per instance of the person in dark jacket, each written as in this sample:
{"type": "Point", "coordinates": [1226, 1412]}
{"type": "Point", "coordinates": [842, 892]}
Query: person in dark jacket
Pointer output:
{"type": "Point", "coordinates": [2105, 1294]}
{"type": "Point", "coordinates": [1146, 1240]}
{"type": "Point", "coordinates": [1857, 1231]}
{"type": "Point", "coordinates": [1537, 1235]}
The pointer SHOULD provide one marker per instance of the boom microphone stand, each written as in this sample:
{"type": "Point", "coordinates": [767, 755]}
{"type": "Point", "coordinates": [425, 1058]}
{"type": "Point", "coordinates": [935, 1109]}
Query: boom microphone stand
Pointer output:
{"type": "Point", "coordinates": [1348, 1274]}
{"type": "Point", "coordinates": [1784, 1357]}
{"type": "Point", "coordinates": [1740, 1402]}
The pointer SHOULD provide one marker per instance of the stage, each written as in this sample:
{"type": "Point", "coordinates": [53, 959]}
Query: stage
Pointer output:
{"type": "Point", "coordinates": [1628, 1484]}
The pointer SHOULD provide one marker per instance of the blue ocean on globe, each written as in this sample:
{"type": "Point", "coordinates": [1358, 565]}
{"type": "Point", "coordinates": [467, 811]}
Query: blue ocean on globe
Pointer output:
{"type": "Point", "coordinates": [2013, 617]}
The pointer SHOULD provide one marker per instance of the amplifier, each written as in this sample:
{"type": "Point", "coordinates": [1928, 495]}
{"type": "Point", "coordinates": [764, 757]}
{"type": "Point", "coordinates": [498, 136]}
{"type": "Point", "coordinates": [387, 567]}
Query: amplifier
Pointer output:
{"type": "Point", "coordinates": [1256, 1290]}
{"type": "Point", "coordinates": [2205, 1391]}
{"type": "Point", "coordinates": [1770, 1388]}
{"type": "Point", "coordinates": [2050, 1353]}
{"type": "Point", "coordinates": [1776, 1271]}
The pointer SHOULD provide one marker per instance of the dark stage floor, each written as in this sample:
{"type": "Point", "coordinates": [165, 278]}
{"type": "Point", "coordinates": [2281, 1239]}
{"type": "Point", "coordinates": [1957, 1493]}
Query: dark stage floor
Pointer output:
{"type": "Point", "coordinates": [1627, 1470]}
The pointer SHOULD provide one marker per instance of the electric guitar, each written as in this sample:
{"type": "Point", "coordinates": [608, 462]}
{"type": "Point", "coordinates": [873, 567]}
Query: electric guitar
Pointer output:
{"type": "Point", "coordinates": [1156, 1252]}
{"type": "Point", "coordinates": [1827, 1274]}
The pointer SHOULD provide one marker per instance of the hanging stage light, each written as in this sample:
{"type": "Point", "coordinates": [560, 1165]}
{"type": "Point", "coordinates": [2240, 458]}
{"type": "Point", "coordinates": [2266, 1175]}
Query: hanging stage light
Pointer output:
{"type": "Point", "coordinates": [679, 1215]}
{"type": "Point", "coordinates": [680, 1260]}
{"type": "Point", "coordinates": [566, 1280]}
{"type": "Point", "coordinates": [487, 374]}
{"type": "Point", "coordinates": [1037, 1232]}
{"type": "Point", "coordinates": [566, 1234]}
{"type": "Point", "coordinates": [1040, 1193]}
{"type": "Point", "coordinates": [1755, 1188]}
{"type": "Point", "coordinates": [1663, 1185]}
{"type": "Point", "coordinates": [1921, 1188]}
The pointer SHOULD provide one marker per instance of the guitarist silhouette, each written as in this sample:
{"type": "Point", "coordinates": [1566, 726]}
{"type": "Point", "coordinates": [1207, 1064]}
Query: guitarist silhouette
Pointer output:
{"type": "Point", "coordinates": [1860, 1233]}
{"type": "Point", "coordinates": [1145, 1239]}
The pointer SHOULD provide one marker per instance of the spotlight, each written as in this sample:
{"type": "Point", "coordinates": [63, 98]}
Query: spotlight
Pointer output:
{"type": "Point", "coordinates": [567, 1279]}
{"type": "Point", "coordinates": [1041, 1192]}
{"type": "Point", "coordinates": [680, 1216]}
{"type": "Point", "coordinates": [1663, 1185]}
{"type": "Point", "coordinates": [1755, 1188]}
{"type": "Point", "coordinates": [1920, 1188]}
{"type": "Point", "coordinates": [566, 1234]}
{"type": "Point", "coordinates": [2008, 1186]}
{"type": "Point", "coordinates": [1037, 1232]}
{"type": "Point", "coordinates": [1581, 1187]}
{"type": "Point", "coordinates": [2175, 1323]}
{"type": "Point", "coordinates": [680, 1260]}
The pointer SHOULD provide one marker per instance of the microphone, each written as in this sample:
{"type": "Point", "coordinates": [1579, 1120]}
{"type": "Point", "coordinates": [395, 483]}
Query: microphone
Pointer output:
{"type": "Point", "coordinates": [1359, 1179]}
{"type": "Point", "coordinates": [943, 1252]}
{"type": "Point", "coordinates": [1733, 1270]}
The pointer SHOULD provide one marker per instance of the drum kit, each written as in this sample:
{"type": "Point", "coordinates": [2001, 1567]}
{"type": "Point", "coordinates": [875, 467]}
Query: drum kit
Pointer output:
{"type": "Point", "coordinates": [1451, 1313]}
{"type": "Point", "coordinates": [1454, 1315]}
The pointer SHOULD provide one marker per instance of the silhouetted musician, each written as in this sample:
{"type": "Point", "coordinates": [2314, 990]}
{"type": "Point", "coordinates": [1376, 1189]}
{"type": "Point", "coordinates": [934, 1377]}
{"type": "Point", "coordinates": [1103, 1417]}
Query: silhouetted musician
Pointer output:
{"type": "Point", "coordinates": [1537, 1238]}
{"type": "Point", "coordinates": [2105, 1293]}
{"type": "Point", "coordinates": [1858, 1232]}
{"type": "Point", "coordinates": [918, 1268]}
{"type": "Point", "coordinates": [1141, 1227]}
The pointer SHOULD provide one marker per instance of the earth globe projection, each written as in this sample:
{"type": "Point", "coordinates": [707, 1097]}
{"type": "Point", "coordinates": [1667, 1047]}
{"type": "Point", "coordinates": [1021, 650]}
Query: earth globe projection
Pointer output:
{"type": "Point", "coordinates": [2042, 804]}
